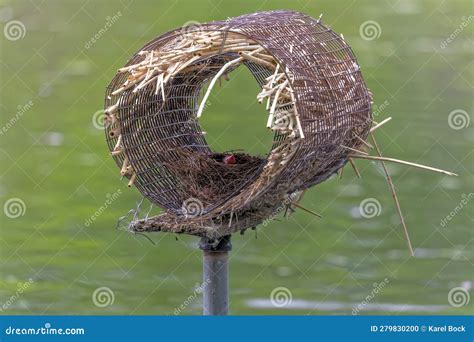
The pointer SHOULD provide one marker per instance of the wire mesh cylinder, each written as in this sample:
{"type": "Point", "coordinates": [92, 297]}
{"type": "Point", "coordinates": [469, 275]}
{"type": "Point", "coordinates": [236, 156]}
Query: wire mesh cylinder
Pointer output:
{"type": "Point", "coordinates": [330, 96]}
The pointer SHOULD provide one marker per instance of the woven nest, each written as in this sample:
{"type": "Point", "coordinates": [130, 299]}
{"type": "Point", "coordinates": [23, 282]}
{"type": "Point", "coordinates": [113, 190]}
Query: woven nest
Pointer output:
{"type": "Point", "coordinates": [317, 103]}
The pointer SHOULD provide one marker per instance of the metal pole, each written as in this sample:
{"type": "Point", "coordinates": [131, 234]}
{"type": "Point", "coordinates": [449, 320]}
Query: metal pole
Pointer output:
{"type": "Point", "coordinates": [216, 276]}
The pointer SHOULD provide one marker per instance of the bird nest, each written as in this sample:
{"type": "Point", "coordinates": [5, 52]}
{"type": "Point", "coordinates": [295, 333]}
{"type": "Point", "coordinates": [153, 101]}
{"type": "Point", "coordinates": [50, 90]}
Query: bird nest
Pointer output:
{"type": "Point", "coordinates": [317, 105]}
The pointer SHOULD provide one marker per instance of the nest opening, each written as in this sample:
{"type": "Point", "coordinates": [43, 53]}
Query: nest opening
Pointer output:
{"type": "Point", "coordinates": [212, 176]}
{"type": "Point", "coordinates": [233, 120]}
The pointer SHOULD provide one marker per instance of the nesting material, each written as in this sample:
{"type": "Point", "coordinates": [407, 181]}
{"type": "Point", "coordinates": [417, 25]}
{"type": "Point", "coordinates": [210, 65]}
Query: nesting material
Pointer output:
{"type": "Point", "coordinates": [213, 176]}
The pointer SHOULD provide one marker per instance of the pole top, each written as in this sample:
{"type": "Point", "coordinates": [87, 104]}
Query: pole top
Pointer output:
{"type": "Point", "coordinates": [222, 244]}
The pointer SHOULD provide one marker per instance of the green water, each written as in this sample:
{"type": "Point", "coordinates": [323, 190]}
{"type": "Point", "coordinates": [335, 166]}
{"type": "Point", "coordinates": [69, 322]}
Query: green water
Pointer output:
{"type": "Point", "coordinates": [57, 163]}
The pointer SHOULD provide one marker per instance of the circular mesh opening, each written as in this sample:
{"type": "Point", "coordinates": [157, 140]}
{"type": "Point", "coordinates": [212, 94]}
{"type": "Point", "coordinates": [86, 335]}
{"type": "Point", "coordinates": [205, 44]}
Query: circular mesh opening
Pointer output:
{"type": "Point", "coordinates": [233, 120]}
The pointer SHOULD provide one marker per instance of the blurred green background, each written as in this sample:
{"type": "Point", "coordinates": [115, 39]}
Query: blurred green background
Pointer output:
{"type": "Point", "coordinates": [56, 171]}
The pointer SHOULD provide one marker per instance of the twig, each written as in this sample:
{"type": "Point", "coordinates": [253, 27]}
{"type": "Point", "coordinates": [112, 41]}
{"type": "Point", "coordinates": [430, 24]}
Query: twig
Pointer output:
{"type": "Point", "coordinates": [260, 98]}
{"type": "Point", "coordinates": [277, 96]}
{"type": "Point", "coordinates": [363, 141]}
{"type": "Point", "coordinates": [208, 92]}
{"type": "Point", "coordinates": [395, 198]}
{"type": "Point", "coordinates": [380, 124]}
{"type": "Point", "coordinates": [297, 202]}
{"type": "Point", "coordinates": [111, 109]}
{"type": "Point", "coordinates": [355, 168]}
{"type": "Point", "coordinates": [111, 119]}
{"type": "Point", "coordinates": [114, 132]}
{"type": "Point", "coordinates": [159, 84]}
{"type": "Point", "coordinates": [354, 150]}
{"type": "Point", "coordinates": [118, 144]}
{"type": "Point", "coordinates": [305, 209]}
{"type": "Point", "coordinates": [256, 60]}
{"type": "Point", "coordinates": [125, 167]}
{"type": "Point", "coordinates": [297, 116]}
{"type": "Point", "coordinates": [146, 236]}
{"type": "Point", "coordinates": [132, 180]}
{"type": "Point", "coordinates": [359, 156]}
